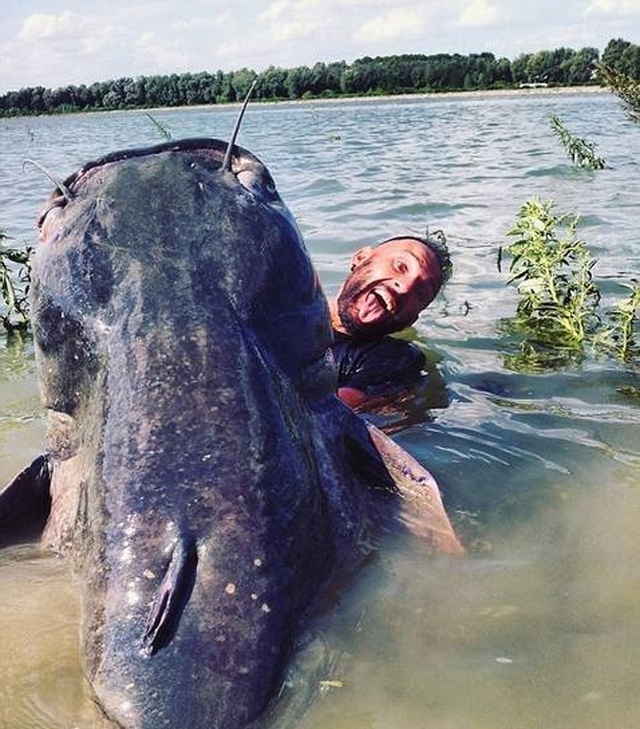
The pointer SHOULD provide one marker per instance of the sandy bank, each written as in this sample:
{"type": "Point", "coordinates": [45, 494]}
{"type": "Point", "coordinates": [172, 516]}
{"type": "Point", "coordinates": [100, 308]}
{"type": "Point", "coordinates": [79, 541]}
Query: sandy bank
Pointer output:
{"type": "Point", "coordinates": [487, 93]}
{"type": "Point", "coordinates": [482, 93]}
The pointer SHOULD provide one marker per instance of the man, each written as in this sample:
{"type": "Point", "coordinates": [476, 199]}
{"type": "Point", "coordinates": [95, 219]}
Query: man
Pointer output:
{"type": "Point", "coordinates": [389, 285]}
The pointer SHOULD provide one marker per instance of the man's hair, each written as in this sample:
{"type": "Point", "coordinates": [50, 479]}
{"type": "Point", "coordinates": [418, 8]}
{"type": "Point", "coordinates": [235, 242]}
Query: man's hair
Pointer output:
{"type": "Point", "coordinates": [436, 242]}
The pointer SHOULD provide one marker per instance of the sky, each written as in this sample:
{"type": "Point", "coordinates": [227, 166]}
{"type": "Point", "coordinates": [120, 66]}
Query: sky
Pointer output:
{"type": "Point", "coordinates": [54, 44]}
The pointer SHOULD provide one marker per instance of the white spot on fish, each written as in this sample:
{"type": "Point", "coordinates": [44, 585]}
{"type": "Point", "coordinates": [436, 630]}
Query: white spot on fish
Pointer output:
{"type": "Point", "coordinates": [265, 608]}
{"type": "Point", "coordinates": [101, 326]}
{"type": "Point", "coordinates": [257, 562]}
{"type": "Point", "coordinates": [126, 557]}
{"type": "Point", "coordinates": [230, 589]}
{"type": "Point", "coordinates": [149, 574]}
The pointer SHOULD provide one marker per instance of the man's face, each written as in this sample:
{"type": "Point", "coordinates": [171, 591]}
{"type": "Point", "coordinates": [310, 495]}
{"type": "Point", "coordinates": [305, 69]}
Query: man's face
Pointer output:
{"type": "Point", "coordinates": [389, 286]}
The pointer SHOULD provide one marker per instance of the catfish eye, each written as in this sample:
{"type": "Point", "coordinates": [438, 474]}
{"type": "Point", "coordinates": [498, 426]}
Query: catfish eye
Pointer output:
{"type": "Point", "coordinates": [247, 178]}
{"type": "Point", "coordinates": [51, 210]}
{"type": "Point", "coordinates": [257, 182]}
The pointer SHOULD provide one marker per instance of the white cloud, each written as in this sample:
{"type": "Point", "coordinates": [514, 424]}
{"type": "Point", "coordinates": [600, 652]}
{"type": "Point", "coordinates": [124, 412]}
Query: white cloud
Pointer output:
{"type": "Point", "coordinates": [196, 24]}
{"type": "Point", "coordinates": [147, 40]}
{"type": "Point", "coordinates": [275, 11]}
{"type": "Point", "coordinates": [102, 38]}
{"type": "Point", "coordinates": [479, 13]}
{"type": "Point", "coordinates": [395, 23]}
{"type": "Point", "coordinates": [613, 7]}
{"type": "Point", "coordinates": [293, 19]}
{"type": "Point", "coordinates": [41, 26]}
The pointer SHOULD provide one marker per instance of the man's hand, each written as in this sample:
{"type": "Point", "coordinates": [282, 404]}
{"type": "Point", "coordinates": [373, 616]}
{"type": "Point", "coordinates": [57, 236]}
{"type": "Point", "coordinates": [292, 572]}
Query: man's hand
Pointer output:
{"type": "Point", "coordinates": [351, 396]}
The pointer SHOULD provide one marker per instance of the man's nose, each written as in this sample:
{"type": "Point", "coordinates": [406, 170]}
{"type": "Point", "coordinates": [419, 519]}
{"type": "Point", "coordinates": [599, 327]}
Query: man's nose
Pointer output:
{"type": "Point", "coordinates": [400, 285]}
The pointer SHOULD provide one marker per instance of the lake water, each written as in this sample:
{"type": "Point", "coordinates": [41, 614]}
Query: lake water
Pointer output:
{"type": "Point", "coordinates": [538, 626]}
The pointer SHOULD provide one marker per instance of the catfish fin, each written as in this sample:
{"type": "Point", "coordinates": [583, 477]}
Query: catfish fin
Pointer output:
{"type": "Point", "coordinates": [422, 509]}
{"type": "Point", "coordinates": [25, 502]}
{"type": "Point", "coordinates": [365, 458]}
{"type": "Point", "coordinates": [172, 596]}
{"type": "Point", "coordinates": [380, 459]}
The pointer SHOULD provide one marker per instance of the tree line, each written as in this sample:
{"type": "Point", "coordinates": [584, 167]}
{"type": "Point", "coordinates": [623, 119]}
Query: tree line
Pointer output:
{"type": "Point", "coordinates": [399, 74]}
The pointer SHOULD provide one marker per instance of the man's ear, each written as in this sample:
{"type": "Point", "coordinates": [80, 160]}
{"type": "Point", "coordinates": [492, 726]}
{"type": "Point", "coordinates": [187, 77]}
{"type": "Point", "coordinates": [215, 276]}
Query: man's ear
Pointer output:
{"type": "Point", "coordinates": [360, 256]}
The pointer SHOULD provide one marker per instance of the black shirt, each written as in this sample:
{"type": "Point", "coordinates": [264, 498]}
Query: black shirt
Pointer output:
{"type": "Point", "coordinates": [372, 366]}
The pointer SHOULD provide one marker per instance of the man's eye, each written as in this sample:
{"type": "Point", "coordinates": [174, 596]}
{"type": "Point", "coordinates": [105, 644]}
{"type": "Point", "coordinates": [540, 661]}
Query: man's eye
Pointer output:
{"type": "Point", "coordinates": [401, 266]}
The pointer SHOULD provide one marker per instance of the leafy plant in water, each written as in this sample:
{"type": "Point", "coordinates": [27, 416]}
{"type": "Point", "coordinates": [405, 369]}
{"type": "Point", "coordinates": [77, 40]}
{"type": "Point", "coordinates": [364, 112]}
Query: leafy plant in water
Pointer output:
{"type": "Point", "coordinates": [619, 336]}
{"type": "Point", "coordinates": [558, 312]}
{"type": "Point", "coordinates": [553, 275]}
{"type": "Point", "coordinates": [164, 132]}
{"type": "Point", "coordinates": [15, 278]}
{"type": "Point", "coordinates": [581, 152]}
{"type": "Point", "coordinates": [625, 87]}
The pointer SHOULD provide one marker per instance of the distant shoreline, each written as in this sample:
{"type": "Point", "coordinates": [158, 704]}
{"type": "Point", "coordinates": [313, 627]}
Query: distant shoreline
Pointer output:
{"type": "Point", "coordinates": [547, 91]}
{"type": "Point", "coordinates": [475, 94]}
{"type": "Point", "coordinates": [372, 99]}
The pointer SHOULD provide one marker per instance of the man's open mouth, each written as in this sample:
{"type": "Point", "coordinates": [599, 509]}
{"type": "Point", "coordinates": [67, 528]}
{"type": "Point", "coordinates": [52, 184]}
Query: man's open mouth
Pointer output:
{"type": "Point", "coordinates": [375, 305]}
{"type": "Point", "coordinates": [385, 300]}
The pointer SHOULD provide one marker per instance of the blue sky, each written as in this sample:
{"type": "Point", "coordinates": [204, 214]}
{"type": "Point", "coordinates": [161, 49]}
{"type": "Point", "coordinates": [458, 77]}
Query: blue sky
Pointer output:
{"type": "Point", "coordinates": [53, 44]}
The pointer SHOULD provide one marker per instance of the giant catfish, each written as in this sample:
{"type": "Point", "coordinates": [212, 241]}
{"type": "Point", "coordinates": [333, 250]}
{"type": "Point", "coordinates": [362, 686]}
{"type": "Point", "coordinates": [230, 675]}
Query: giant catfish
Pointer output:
{"type": "Point", "coordinates": [199, 470]}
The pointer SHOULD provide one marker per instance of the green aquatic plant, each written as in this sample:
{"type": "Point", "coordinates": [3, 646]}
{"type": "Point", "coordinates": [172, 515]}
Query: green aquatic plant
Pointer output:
{"type": "Point", "coordinates": [553, 275]}
{"type": "Point", "coordinates": [625, 87]}
{"type": "Point", "coordinates": [15, 278]}
{"type": "Point", "coordinates": [164, 132]}
{"type": "Point", "coordinates": [580, 151]}
{"type": "Point", "coordinates": [619, 336]}
{"type": "Point", "coordinates": [558, 314]}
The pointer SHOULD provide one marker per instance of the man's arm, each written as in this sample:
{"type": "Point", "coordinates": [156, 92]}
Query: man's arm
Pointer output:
{"type": "Point", "coordinates": [366, 369]}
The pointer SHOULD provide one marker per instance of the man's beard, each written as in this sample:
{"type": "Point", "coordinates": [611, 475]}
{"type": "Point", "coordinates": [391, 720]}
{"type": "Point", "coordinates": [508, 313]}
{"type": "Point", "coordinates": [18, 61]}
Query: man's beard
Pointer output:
{"type": "Point", "coordinates": [350, 321]}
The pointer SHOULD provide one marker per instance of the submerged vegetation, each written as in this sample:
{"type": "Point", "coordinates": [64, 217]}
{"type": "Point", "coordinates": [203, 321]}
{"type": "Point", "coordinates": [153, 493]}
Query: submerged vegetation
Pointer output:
{"type": "Point", "coordinates": [558, 315]}
{"type": "Point", "coordinates": [15, 277]}
{"type": "Point", "coordinates": [581, 152]}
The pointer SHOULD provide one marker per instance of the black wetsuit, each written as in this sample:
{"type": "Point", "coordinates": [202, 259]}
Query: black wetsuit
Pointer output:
{"type": "Point", "coordinates": [373, 366]}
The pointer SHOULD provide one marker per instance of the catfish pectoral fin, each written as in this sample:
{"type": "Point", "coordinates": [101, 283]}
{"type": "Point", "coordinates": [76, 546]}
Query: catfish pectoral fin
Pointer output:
{"type": "Point", "coordinates": [421, 507]}
{"type": "Point", "coordinates": [25, 502]}
{"type": "Point", "coordinates": [365, 458]}
{"type": "Point", "coordinates": [173, 594]}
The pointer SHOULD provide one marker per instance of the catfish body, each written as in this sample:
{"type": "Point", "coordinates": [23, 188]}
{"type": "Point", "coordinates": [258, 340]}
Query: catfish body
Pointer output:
{"type": "Point", "coordinates": [202, 475]}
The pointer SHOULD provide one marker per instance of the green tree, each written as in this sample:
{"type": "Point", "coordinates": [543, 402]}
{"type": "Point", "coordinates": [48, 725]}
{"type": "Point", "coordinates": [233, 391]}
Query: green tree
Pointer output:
{"type": "Point", "coordinates": [241, 82]}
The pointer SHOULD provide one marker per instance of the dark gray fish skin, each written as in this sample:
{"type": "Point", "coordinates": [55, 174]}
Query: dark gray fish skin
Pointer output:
{"type": "Point", "coordinates": [181, 337]}
{"type": "Point", "coordinates": [203, 477]}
